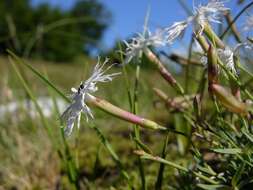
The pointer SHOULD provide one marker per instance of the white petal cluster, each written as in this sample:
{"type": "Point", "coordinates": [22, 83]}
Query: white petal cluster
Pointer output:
{"type": "Point", "coordinates": [140, 42]}
{"type": "Point", "coordinates": [227, 57]}
{"type": "Point", "coordinates": [209, 13]}
{"type": "Point", "coordinates": [201, 14]}
{"type": "Point", "coordinates": [175, 30]}
{"type": "Point", "coordinates": [78, 97]}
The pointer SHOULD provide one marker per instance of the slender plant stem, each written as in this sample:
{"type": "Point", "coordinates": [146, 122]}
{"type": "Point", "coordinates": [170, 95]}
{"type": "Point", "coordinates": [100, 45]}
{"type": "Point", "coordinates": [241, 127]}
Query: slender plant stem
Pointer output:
{"type": "Point", "coordinates": [235, 19]}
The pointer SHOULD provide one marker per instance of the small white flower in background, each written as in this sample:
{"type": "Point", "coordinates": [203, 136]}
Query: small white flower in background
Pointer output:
{"type": "Point", "coordinates": [245, 45]}
{"type": "Point", "coordinates": [209, 13]}
{"type": "Point", "coordinates": [227, 57]}
{"type": "Point", "coordinates": [140, 42]}
{"type": "Point", "coordinates": [203, 60]}
{"type": "Point", "coordinates": [78, 96]}
{"type": "Point", "coordinates": [175, 30]}
{"type": "Point", "coordinates": [249, 23]}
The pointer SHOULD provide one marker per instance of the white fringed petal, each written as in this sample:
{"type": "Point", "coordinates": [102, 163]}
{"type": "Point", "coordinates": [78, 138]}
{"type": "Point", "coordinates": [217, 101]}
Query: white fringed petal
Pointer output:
{"type": "Point", "coordinates": [78, 97]}
{"type": "Point", "coordinates": [227, 57]}
{"type": "Point", "coordinates": [140, 42]}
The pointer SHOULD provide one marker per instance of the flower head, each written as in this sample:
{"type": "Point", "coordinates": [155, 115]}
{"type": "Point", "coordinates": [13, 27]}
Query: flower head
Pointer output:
{"type": "Point", "coordinates": [211, 12]}
{"type": "Point", "coordinates": [201, 14]}
{"type": "Point", "coordinates": [78, 96]}
{"type": "Point", "coordinates": [175, 30]}
{"type": "Point", "coordinates": [140, 42]}
{"type": "Point", "coordinates": [227, 57]}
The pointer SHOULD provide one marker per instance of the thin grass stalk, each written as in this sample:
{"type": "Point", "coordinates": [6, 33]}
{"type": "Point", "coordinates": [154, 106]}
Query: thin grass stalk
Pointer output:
{"type": "Point", "coordinates": [114, 156]}
{"type": "Point", "coordinates": [48, 83]}
{"type": "Point", "coordinates": [71, 169]}
{"type": "Point", "coordinates": [126, 77]}
{"type": "Point", "coordinates": [235, 19]}
{"type": "Point", "coordinates": [71, 165]}
{"type": "Point", "coordinates": [136, 127]}
{"type": "Point", "coordinates": [234, 30]}
{"type": "Point", "coordinates": [159, 180]}
{"type": "Point", "coordinates": [33, 98]}
{"type": "Point", "coordinates": [187, 66]}
{"type": "Point", "coordinates": [147, 156]}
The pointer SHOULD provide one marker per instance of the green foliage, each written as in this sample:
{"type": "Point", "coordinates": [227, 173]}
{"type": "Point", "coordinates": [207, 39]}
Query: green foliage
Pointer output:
{"type": "Point", "coordinates": [51, 33]}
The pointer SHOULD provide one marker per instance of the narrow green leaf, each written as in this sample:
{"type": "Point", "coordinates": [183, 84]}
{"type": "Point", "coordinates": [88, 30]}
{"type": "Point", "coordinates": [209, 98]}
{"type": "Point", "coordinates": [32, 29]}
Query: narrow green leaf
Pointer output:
{"type": "Point", "coordinates": [44, 79]}
{"type": "Point", "coordinates": [236, 178]}
{"type": "Point", "coordinates": [228, 150]}
{"type": "Point", "coordinates": [159, 180]}
{"type": "Point", "coordinates": [213, 187]}
{"type": "Point", "coordinates": [113, 154]}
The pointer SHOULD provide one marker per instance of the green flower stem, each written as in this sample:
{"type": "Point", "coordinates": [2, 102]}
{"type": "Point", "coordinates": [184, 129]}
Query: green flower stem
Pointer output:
{"type": "Point", "coordinates": [147, 156]}
{"type": "Point", "coordinates": [122, 114]}
{"type": "Point", "coordinates": [203, 43]}
{"type": "Point", "coordinates": [211, 35]}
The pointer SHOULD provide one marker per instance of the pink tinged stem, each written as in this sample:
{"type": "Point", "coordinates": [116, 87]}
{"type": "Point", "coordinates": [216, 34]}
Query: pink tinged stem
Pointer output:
{"type": "Point", "coordinates": [122, 114]}
{"type": "Point", "coordinates": [163, 71]}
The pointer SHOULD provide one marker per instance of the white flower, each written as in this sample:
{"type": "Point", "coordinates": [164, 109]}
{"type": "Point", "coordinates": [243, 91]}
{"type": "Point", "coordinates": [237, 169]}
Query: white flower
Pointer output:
{"type": "Point", "coordinates": [140, 42]}
{"type": "Point", "coordinates": [78, 97]}
{"type": "Point", "coordinates": [201, 14]}
{"type": "Point", "coordinates": [209, 13]}
{"type": "Point", "coordinates": [246, 45]}
{"type": "Point", "coordinates": [176, 30]}
{"type": "Point", "coordinates": [227, 57]}
{"type": "Point", "coordinates": [249, 23]}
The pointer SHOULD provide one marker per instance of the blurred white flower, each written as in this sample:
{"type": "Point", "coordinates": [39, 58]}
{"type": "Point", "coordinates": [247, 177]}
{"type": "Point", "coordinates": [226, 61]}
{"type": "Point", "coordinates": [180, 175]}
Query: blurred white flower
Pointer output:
{"type": "Point", "coordinates": [203, 60]}
{"type": "Point", "coordinates": [201, 14]}
{"type": "Point", "coordinates": [140, 42]}
{"type": "Point", "coordinates": [245, 45]}
{"type": "Point", "coordinates": [227, 57]}
{"type": "Point", "coordinates": [78, 96]}
{"type": "Point", "coordinates": [176, 30]}
{"type": "Point", "coordinates": [248, 24]}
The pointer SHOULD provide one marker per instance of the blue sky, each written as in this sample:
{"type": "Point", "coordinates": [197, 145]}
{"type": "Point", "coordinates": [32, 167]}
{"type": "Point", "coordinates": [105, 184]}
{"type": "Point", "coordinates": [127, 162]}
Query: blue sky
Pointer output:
{"type": "Point", "coordinates": [128, 15]}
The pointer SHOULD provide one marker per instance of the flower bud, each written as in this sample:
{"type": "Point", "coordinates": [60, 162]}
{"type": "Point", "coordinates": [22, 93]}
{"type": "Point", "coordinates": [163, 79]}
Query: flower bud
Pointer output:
{"type": "Point", "coordinates": [228, 100]}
